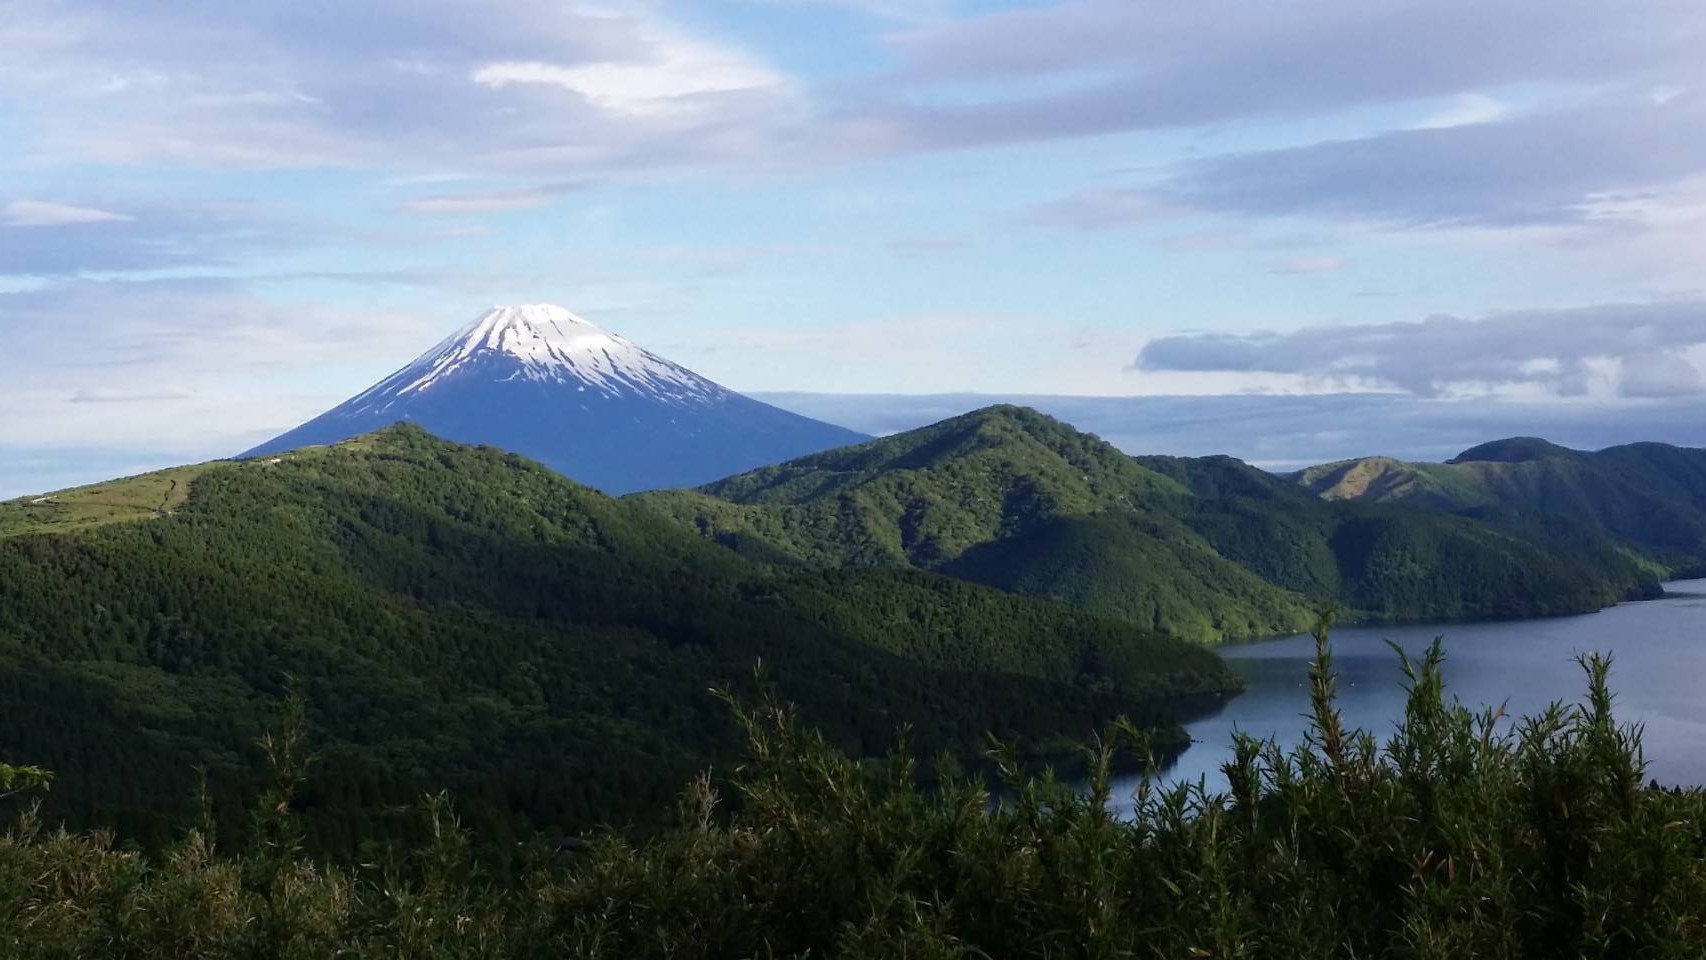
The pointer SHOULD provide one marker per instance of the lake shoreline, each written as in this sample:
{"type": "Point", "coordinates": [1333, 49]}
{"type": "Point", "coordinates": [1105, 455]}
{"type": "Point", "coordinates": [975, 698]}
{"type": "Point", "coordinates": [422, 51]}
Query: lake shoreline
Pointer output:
{"type": "Point", "coordinates": [1371, 622]}
{"type": "Point", "coordinates": [1526, 663]}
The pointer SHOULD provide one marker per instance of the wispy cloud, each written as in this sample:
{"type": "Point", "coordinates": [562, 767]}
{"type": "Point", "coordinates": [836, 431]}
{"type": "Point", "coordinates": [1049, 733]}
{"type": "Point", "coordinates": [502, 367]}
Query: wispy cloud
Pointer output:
{"type": "Point", "coordinates": [675, 74]}
{"type": "Point", "coordinates": [97, 395]}
{"type": "Point", "coordinates": [492, 201]}
{"type": "Point", "coordinates": [906, 11]}
{"type": "Point", "coordinates": [536, 86]}
{"type": "Point", "coordinates": [203, 365]}
{"type": "Point", "coordinates": [42, 213]}
{"type": "Point", "coordinates": [1545, 168]}
{"type": "Point", "coordinates": [1108, 65]}
{"type": "Point", "coordinates": [1464, 109]}
{"type": "Point", "coordinates": [57, 240]}
{"type": "Point", "coordinates": [1101, 209]}
{"type": "Point", "coordinates": [1308, 264]}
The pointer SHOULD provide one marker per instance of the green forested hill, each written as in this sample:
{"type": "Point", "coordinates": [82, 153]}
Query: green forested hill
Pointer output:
{"type": "Point", "coordinates": [1206, 549]}
{"type": "Point", "coordinates": [1397, 563]}
{"type": "Point", "coordinates": [460, 618]}
{"type": "Point", "coordinates": [1648, 497]}
{"type": "Point", "coordinates": [1004, 496]}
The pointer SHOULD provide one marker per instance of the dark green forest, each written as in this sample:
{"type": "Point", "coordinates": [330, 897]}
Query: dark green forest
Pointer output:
{"type": "Point", "coordinates": [1207, 549]}
{"type": "Point", "coordinates": [1647, 498]}
{"type": "Point", "coordinates": [458, 618]}
{"type": "Point", "coordinates": [1461, 835]}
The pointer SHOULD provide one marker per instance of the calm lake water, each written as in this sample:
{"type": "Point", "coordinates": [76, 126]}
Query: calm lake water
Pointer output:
{"type": "Point", "coordinates": [1658, 675]}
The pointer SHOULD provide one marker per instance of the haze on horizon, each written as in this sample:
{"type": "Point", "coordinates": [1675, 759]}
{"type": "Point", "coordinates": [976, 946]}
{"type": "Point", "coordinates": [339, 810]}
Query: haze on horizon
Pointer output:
{"type": "Point", "coordinates": [1299, 231]}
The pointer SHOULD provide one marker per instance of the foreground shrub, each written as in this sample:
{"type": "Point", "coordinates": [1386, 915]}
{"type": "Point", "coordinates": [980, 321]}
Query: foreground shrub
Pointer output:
{"type": "Point", "coordinates": [1461, 835]}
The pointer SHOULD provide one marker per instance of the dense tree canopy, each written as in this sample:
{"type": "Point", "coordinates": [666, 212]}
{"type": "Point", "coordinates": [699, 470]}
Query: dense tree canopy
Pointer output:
{"type": "Point", "coordinates": [1457, 837]}
{"type": "Point", "coordinates": [462, 618]}
{"type": "Point", "coordinates": [1647, 498]}
{"type": "Point", "coordinates": [1206, 549]}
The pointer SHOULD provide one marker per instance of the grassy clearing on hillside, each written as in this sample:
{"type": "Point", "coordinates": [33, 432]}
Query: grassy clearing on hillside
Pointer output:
{"type": "Point", "coordinates": [142, 497]}
{"type": "Point", "coordinates": [132, 498]}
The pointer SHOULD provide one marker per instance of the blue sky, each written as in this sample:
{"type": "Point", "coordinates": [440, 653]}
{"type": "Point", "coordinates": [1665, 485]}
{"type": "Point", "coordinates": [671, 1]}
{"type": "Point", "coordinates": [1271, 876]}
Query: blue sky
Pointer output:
{"type": "Point", "coordinates": [217, 219]}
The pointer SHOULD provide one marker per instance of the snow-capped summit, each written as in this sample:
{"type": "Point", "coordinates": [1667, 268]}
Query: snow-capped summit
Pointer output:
{"type": "Point", "coordinates": [543, 343]}
{"type": "Point", "coordinates": [541, 381]}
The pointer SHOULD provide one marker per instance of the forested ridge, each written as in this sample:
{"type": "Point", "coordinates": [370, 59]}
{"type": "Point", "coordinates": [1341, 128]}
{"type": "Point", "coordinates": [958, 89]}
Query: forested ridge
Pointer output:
{"type": "Point", "coordinates": [1207, 549]}
{"type": "Point", "coordinates": [1647, 498]}
{"type": "Point", "coordinates": [458, 618]}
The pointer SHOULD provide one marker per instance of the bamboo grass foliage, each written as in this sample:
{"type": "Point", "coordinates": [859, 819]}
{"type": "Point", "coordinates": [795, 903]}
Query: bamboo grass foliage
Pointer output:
{"type": "Point", "coordinates": [1461, 834]}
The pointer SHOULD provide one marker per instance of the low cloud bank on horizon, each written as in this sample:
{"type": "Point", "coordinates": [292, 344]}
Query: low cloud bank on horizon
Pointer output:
{"type": "Point", "coordinates": [1621, 350]}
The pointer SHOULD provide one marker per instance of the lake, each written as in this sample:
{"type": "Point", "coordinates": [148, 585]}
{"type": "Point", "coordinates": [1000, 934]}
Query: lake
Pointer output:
{"type": "Point", "coordinates": [1658, 676]}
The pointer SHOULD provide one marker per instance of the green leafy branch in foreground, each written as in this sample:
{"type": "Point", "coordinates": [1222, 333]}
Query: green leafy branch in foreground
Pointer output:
{"type": "Point", "coordinates": [1461, 835]}
{"type": "Point", "coordinates": [15, 780]}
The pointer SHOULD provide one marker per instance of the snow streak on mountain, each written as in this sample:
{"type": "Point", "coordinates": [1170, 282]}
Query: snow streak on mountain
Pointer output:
{"type": "Point", "coordinates": [540, 381]}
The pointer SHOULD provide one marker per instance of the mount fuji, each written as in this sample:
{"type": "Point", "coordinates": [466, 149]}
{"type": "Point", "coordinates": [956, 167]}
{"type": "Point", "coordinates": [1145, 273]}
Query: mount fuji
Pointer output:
{"type": "Point", "coordinates": [539, 381]}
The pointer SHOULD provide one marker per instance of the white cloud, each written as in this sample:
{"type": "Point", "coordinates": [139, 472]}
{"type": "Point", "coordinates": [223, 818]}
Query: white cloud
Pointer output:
{"type": "Point", "coordinates": [1465, 109]}
{"type": "Point", "coordinates": [42, 213]}
{"type": "Point", "coordinates": [422, 85]}
{"type": "Point", "coordinates": [1601, 351]}
{"type": "Point", "coordinates": [674, 71]}
{"type": "Point", "coordinates": [1665, 92]}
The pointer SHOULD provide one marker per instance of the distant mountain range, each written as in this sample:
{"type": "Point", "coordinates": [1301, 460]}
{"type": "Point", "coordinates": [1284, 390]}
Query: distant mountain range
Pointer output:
{"type": "Point", "coordinates": [1650, 497]}
{"type": "Point", "coordinates": [1210, 549]}
{"type": "Point", "coordinates": [539, 381]}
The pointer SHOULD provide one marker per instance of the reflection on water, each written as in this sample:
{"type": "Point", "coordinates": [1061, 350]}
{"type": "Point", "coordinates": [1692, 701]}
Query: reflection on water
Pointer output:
{"type": "Point", "coordinates": [1658, 674]}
